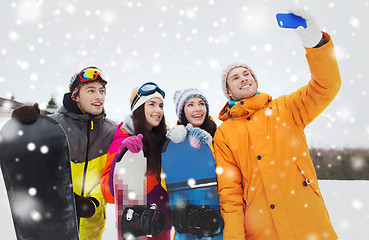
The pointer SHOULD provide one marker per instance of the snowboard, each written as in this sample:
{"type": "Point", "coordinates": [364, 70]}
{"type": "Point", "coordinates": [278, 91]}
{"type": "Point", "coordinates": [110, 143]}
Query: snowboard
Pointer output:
{"type": "Point", "coordinates": [35, 164]}
{"type": "Point", "coordinates": [129, 186]}
{"type": "Point", "coordinates": [190, 177]}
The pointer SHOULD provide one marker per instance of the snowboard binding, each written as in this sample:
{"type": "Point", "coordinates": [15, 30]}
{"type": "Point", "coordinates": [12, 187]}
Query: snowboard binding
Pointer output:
{"type": "Point", "coordinates": [201, 221]}
{"type": "Point", "coordinates": [142, 221]}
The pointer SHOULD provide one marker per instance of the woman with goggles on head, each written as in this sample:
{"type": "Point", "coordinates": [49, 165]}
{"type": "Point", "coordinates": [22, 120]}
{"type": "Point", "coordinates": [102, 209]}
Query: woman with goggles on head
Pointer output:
{"type": "Point", "coordinates": [144, 127]}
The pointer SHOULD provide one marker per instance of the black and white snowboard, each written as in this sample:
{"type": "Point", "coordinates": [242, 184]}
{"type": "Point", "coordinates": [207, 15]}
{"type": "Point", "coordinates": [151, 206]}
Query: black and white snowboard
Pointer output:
{"type": "Point", "coordinates": [35, 164]}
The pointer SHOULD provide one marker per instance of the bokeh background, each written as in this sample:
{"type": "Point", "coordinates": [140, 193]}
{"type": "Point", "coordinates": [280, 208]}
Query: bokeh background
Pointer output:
{"type": "Point", "coordinates": [181, 44]}
{"type": "Point", "coordinates": [187, 43]}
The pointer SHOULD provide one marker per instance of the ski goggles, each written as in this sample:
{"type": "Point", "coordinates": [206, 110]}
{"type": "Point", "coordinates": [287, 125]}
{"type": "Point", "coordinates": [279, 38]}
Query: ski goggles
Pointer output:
{"type": "Point", "coordinates": [145, 90]}
{"type": "Point", "coordinates": [91, 74]}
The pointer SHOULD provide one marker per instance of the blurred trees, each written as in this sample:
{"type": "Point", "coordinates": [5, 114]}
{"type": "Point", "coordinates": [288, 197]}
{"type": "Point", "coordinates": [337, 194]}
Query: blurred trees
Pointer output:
{"type": "Point", "coordinates": [344, 164]}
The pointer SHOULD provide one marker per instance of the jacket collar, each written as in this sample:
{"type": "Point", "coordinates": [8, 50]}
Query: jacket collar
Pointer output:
{"type": "Point", "coordinates": [245, 107]}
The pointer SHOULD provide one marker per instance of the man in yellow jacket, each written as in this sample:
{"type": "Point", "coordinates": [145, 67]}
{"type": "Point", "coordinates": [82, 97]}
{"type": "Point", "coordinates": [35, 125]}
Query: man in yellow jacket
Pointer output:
{"type": "Point", "coordinates": [89, 133]}
{"type": "Point", "coordinates": [268, 187]}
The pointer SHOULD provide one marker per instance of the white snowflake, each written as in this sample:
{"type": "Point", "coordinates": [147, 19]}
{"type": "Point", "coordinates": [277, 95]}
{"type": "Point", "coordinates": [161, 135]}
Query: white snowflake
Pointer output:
{"type": "Point", "coordinates": [44, 149]}
{"type": "Point", "coordinates": [14, 36]}
{"type": "Point", "coordinates": [29, 11]}
{"type": "Point", "coordinates": [191, 182]}
{"type": "Point", "coordinates": [32, 191]}
{"type": "Point", "coordinates": [132, 195]}
{"type": "Point", "coordinates": [31, 146]}
{"type": "Point", "coordinates": [355, 22]}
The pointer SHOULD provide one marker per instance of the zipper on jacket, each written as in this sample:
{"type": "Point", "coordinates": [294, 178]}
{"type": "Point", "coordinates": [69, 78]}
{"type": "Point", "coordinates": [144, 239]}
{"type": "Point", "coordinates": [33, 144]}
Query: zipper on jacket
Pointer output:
{"type": "Point", "coordinates": [89, 126]}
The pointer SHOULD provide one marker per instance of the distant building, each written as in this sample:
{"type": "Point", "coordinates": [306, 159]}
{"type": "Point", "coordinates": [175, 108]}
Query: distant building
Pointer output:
{"type": "Point", "coordinates": [51, 106]}
{"type": "Point", "coordinates": [8, 105]}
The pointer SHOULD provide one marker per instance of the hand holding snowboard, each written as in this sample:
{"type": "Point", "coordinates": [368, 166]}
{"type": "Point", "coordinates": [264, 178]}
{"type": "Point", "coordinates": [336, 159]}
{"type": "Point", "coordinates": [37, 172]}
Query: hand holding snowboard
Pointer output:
{"type": "Point", "coordinates": [197, 136]}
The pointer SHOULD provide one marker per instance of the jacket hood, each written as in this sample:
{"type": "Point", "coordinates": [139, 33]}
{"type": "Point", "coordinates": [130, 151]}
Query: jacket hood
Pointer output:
{"type": "Point", "coordinates": [245, 107]}
{"type": "Point", "coordinates": [128, 125]}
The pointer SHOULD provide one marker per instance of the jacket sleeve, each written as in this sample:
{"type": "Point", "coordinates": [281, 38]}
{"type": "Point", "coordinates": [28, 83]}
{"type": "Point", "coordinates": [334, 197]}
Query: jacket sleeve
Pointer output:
{"type": "Point", "coordinates": [104, 178]}
{"type": "Point", "coordinates": [309, 101]}
{"type": "Point", "coordinates": [229, 188]}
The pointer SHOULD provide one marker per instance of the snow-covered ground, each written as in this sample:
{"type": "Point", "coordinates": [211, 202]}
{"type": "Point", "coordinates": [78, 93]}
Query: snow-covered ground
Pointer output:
{"type": "Point", "coordinates": [347, 202]}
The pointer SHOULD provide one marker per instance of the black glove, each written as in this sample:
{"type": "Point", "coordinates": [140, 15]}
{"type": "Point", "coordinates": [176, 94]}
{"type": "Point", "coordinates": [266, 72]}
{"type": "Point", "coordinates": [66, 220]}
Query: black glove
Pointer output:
{"type": "Point", "coordinates": [85, 206]}
{"type": "Point", "coordinates": [26, 114]}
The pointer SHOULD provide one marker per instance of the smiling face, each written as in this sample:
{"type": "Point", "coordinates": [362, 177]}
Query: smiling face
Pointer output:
{"type": "Point", "coordinates": [195, 111]}
{"type": "Point", "coordinates": [153, 112]}
{"type": "Point", "coordinates": [91, 98]}
{"type": "Point", "coordinates": [241, 84]}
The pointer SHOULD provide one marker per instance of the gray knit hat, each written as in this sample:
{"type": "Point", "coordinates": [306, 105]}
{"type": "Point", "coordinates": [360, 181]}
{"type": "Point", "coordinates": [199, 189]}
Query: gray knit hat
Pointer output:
{"type": "Point", "coordinates": [226, 72]}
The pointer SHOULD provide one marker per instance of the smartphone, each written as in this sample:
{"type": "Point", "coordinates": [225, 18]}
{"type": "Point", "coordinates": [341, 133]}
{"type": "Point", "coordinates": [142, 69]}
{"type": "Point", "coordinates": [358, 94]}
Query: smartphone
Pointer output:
{"type": "Point", "coordinates": [289, 20]}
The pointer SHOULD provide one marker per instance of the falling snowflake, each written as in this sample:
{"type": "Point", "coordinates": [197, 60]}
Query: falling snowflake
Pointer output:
{"type": "Point", "coordinates": [70, 8]}
{"type": "Point", "coordinates": [157, 68]}
{"type": "Point", "coordinates": [268, 47]}
{"type": "Point", "coordinates": [294, 78]}
{"type": "Point", "coordinates": [204, 86]}
{"type": "Point", "coordinates": [29, 11]}
{"type": "Point", "coordinates": [36, 216]}
{"type": "Point", "coordinates": [191, 182]}
{"type": "Point", "coordinates": [32, 191]}
{"type": "Point", "coordinates": [122, 171]}
{"type": "Point", "coordinates": [31, 146]}
{"type": "Point", "coordinates": [268, 112]}
{"type": "Point", "coordinates": [219, 170]}
{"type": "Point", "coordinates": [131, 195]}
{"type": "Point", "coordinates": [213, 63]}
{"type": "Point", "coordinates": [357, 204]}
{"type": "Point", "coordinates": [355, 22]}
{"type": "Point", "coordinates": [357, 163]}
{"type": "Point", "coordinates": [44, 149]}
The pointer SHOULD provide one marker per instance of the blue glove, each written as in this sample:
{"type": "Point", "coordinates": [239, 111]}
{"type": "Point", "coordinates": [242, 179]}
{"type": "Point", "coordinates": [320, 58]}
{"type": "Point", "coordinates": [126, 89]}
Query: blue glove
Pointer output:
{"type": "Point", "coordinates": [198, 137]}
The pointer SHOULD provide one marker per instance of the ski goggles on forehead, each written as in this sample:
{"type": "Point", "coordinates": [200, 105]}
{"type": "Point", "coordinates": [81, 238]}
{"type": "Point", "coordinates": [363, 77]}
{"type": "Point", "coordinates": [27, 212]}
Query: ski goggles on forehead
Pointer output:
{"type": "Point", "coordinates": [150, 88]}
{"type": "Point", "coordinates": [145, 90]}
{"type": "Point", "coordinates": [91, 74]}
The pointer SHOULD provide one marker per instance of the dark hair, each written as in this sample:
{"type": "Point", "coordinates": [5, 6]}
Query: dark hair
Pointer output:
{"type": "Point", "coordinates": [208, 125]}
{"type": "Point", "coordinates": [153, 140]}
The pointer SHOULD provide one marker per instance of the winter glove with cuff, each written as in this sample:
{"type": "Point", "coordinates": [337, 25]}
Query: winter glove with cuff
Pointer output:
{"type": "Point", "coordinates": [311, 36]}
{"type": "Point", "coordinates": [26, 114]}
{"type": "Point", "coordinates": [177, 133]}
{"type": "Point", "coordinates": [133, 143]}
{"type": "Point", "coordinates": [85, 206]}
{"type": "Point", "coordinates": [198, 137]}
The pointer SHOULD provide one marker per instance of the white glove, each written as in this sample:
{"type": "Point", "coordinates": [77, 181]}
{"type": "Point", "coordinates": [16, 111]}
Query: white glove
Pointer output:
{"type": "Point", "coordinates": [311, 35]}
{"type": "Point", "coordinates": [177, 133]}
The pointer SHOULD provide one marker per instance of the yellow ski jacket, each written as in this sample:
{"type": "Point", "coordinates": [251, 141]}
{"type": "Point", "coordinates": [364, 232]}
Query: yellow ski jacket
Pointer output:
{"type": "Point", "coordinates": [89, 139]}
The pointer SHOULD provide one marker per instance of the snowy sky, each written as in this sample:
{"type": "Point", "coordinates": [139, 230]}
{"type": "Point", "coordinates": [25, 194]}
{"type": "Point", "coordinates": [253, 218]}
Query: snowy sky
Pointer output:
{"type": "Point", "coordinates": [182, 44]}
